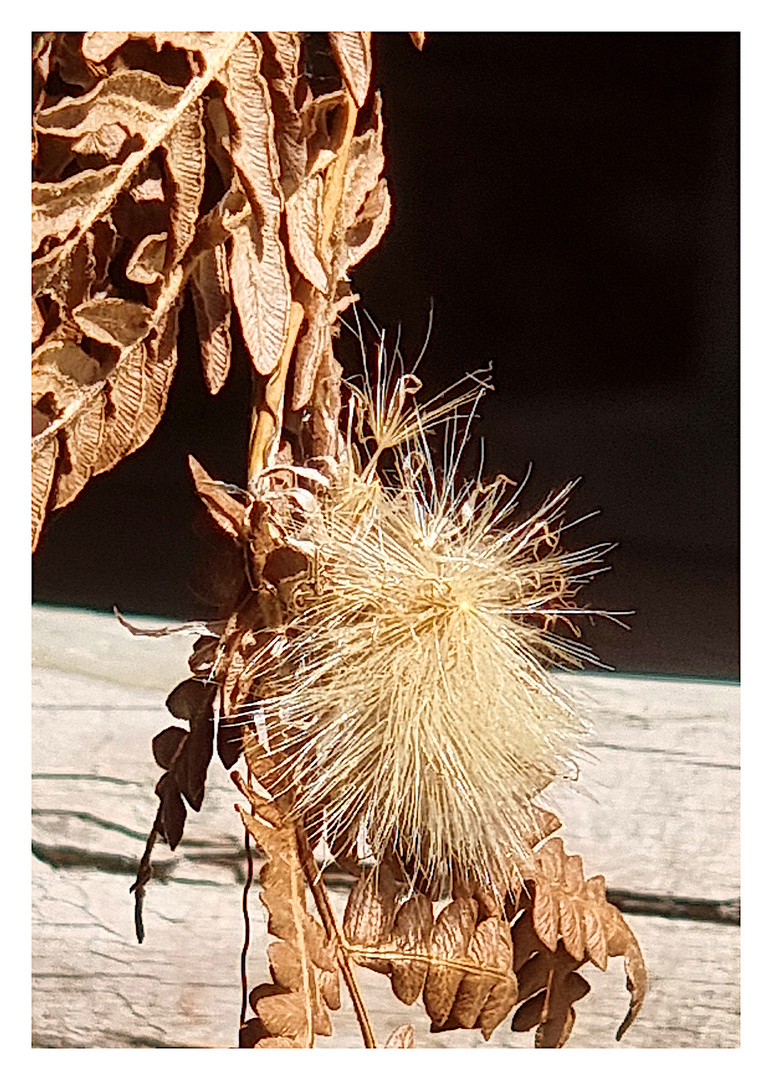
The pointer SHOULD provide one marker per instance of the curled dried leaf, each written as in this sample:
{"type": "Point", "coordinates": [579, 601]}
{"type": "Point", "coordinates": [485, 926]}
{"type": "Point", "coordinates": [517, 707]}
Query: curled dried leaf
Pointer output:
{"type": "Point", "coordinates": [567, 922]}
{"type": "Point", "coordinates": [59, 208]}
{"type": "Point", "coordinates": [261, 287]}
{"type": "Point", "coordinates": [146, 263]}
{"type": "Point", "coordinates": [210, 288]}
{"type": "Point", "coordinates": [137, 99]}
{"type": "Point", "coordinates": [43, 471]}
{"type": "Point", "coordinates": [226, 511]}
{"type": "Point", "coordinates": [352, 52]}
{"type": "Point", "coordinates": [114, 321]}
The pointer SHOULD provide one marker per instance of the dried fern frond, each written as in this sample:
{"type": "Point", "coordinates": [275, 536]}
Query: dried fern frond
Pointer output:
{"type": "Point", "coordinates": [294, 1007]}
{"type": "Point", "coordinates": [208, 161]}
{"type": "Point", "coordinates": [408, 689]}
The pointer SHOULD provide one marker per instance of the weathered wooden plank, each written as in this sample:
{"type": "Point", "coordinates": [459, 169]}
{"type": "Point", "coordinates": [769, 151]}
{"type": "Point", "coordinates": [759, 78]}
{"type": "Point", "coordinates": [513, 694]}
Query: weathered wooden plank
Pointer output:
{"type": "Point", "coordinates": [663, 775]}
{"type": "Point", "coordinates": [657, 807]}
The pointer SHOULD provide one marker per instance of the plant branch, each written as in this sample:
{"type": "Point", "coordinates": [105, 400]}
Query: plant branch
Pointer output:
{"type": "Point", "coordinates": [330, 923]}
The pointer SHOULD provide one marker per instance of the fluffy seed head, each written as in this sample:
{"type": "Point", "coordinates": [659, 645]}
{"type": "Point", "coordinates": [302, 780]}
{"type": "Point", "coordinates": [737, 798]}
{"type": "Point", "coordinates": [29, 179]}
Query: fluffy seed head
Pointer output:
{"type": "Point", "coordinates": [409, 693]}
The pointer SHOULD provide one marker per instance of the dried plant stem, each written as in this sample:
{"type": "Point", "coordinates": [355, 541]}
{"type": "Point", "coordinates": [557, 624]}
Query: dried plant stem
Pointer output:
{"type": "Point", "coordinates": [330, 923]}
{"type": "Point", "coordinates": [245, 910]}
{"type": "Point", "coordinates": [333, 191]}
{"type": "Point", "coordinates": [267, 408]}
{"type": "Point", "coordinates": [144, 873]}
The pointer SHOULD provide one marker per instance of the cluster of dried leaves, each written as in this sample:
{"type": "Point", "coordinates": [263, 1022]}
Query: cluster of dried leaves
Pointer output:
{"type": "Point", "coordinates": [247, 168]}
{"type": "Point", "coordinates": [473, 962]}
{"type": "Point", "coordinates": [219, 161]}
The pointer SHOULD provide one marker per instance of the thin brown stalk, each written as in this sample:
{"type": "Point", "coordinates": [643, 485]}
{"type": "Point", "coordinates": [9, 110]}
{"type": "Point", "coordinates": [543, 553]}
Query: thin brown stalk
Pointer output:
{"type": "Point", "coordinates": [268, 406]}
{"type": "Point", "coordinates": [330, 923]}
{"type": "Point", "coordinates": [245, 911]}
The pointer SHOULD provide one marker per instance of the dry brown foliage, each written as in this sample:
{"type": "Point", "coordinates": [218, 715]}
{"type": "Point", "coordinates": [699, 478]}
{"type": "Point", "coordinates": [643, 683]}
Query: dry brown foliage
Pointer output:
{"type": "Point", "coordinates": [213, 161]}
{"type": "Point", "coordinates": [294, 1007]}
{"type": "Point", "coordinates": [223, 162]}
{"type": "Point", "coordinates": [472, 961]}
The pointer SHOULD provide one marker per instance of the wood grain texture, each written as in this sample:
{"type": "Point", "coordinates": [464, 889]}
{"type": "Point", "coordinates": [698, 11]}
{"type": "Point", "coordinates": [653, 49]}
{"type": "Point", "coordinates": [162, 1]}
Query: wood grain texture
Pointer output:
{"type": "Point", "coordinates": [656, 811]}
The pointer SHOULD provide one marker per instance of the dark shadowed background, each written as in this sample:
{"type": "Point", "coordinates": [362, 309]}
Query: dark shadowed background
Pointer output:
{"type": "Point", "coordinates": [568, 202]}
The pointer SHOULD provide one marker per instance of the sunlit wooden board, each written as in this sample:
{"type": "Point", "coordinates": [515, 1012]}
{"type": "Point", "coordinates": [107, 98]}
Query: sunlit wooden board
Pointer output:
{"type": "Point", "coordinates": [656, 810]}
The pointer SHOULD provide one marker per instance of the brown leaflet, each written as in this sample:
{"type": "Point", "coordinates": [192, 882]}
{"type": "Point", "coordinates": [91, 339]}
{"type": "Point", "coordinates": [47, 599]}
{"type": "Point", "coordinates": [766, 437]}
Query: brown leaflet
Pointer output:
{"type": "Point", "coordinates": [43, 471]}
{"type": "Point", "coordinates": [99, 44]}
{"type": "Point", "coordinates": [545, 824]}
{"type": "Point", "coordinates": [206, 42]}
{"type": "Point", "coordinates": [370, 225]}
{"type": "Point", "coordinates": [158, 371]}
{"type": "Point", "coordinates": [401, 1038]}
{"type": "Point", "coordinates": [561, 897]}
{"type": "Point", "coordinates": [568, 921]}
{"type": "Point", "coordinates": [484, 998]}
{"type": "Point", "coordinates": [549, 986]}
{"type": "Point", "coordinates": [363, 169]}
{"type": "Point", "coordinates": [254, 152]}
{"type": "Point", "coordinates": [82, 439]}
{"type": "Point", "coordinates": [370, 913]}
{"type": "Point", "coordinates": [125, 391]}
{"type": "Point", "coordinates": [282, 57]}
{"type": "Point", "coordinates": [107, 142]}
{"type": "Point", "coordinates": [261, 286]}
{"type": "Point", "coordinates": [352, 53]}
{"type": "Point", "coordinates": [261, 293]}
{"type": "Point", "coordinates": [314, 344]}
{"type": "Point", "coordinates": [146, 262]}
{"type": "Point", "coordinates": [186, 161]}
{"type": "Point", "coordinates": [114, 321]}
{"type": "Point", "coordinates": [69, 281]}
{"type": "Point", "coordinates": [412, 935]}
{"type": "Point", "coordinates": [58, 208]}
{"type": "Point", "coordinates": [137, 100]}
{"type": "Point", "coordinates": [450, 941]}
{"type": "Point", "coordinates": [462, 962]}
{"type": "Point", "coordinates": [137, 389]}
{"type": "Point", "coordinates": [210, 289]}
{"type": "Point", "coordinates": [295, 1005]}
{"type": "Point", "coordinates": [227, 512]}
{"type": "Point", "coordinates": [77, 365]}
{"type": "Point", "coordinates": [63, 377]}
{"type": "Point", "coordinates": [193, 701]}
{"type": "Point", "coordinates": [622, 942]}
{"type": "Point", "coordinates": [325, 407]}
{"type": "Point", "coordinates": [62, 369]}
{"type": "Point", "coordinates": [185, 755]}
{"type": "Point", "coordinates": [305, 227]}
{"type": "Point", "coordinates": [418, 37]}
{"type": "Point", "coordinates": [148, 185]}
{"type": "Point", "coordinates": [218, 137]}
